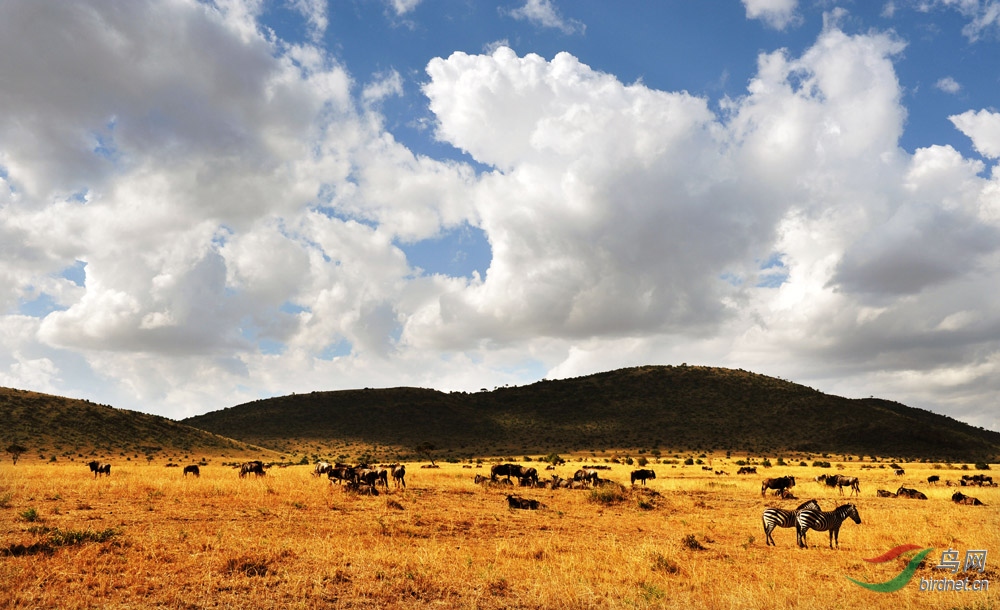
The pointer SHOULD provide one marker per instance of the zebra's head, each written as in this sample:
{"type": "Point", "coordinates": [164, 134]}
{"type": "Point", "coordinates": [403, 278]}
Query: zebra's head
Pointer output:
{"type": "Point", "coordinates": [851, 511]}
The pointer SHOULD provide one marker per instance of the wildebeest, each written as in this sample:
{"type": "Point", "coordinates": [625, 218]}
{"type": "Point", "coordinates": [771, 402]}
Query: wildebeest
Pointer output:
{"type": "Point", "coordinates": [360, 487]}
{"type": "Point", "coordinates": [823, 521]}
{"type": "Point", "coordinates": [480, 479]}
{"type": "Point", "coordinates": [586, 475]}
{"type": "Point", "coordinates": [933, 479]}
{"type": "Point", "coordinates": [777, 484]}
{"type": "Point", "coordinates": [193, 469]}
{"type": "Point", "coordinates": [642, 475]}
{"type": "Point", "coordinates": [399, 475]}
{"type": "Point", "coordinates": [322, 468]}
{"type": "Point", "coordinates": [99, 468]}
{"type": "Point", "coordinates": [885, 493]}
{"type": "Point", "coordinates": [978, 479]}
{"type": "Point", "coordinates": [780, 517]}
{"type": "Point", "coordinates": [254, 466]}
{"type": "Point", "coordinates": [341, 473]}
{"type": "Point", "coordinates": [524, 503]}
{"type": "Point", "coordinates": [904, 492]}
{"type": "Point", "coordinates": [851, 482]}
{"type": "Point", "coordinates": [960, 498]}
{"type": "Point", "coordinates": [747, 470]}
{"type": "Point", "coordinates": [900, 472]}
{"type": "Point", "coordinates": [528, 476]}
{"type": "Point", "coordinates": [505, 470]}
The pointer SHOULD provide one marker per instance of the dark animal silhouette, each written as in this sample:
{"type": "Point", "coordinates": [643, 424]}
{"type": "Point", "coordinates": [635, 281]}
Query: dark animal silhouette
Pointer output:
{"type": "Point", "coordinates": [904, 492]}
{"type": "Point", "coordinates": [399, 475]}
{"type": "Point", "coordinates": [252, 467]}
{"type": "Point", "coordinates": [960, 498]}
{"type": "Point", "coordinates": [99, 468]}
{"type": "Point", "coordinates": [777, 484]}
{"type": "Point", "coordinates": [193, 469]}
{"type": "Point", "coordinates": [522, 503]}
{"type": "Point", "coordinates": [642, 475]}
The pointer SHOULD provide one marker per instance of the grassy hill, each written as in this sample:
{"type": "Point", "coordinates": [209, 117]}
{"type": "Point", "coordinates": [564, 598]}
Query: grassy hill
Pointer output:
{"type": "Point", "coordinates": [645, 408]}
{"type": "Point", "coordinates": [68, 429]}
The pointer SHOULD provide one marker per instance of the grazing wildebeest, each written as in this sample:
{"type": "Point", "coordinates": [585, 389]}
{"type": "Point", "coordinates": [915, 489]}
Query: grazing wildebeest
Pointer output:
{"type": "Point", "coordinates": [747, 470]}
{"type": "Point", "coordinates": [851, 482]}
{"type": "Point", "coordinates": [960, 498]}
{"type": "Point", "coordinates": [399, 475]}
{"type": "Point", "coordinates": [904, 492]}
{"type": "Point", "coordinates": [642, 475]}
{"type": "Point", "coordinates": [254, 466]}
{"type": "Point", "coordinates": [505, 470]}
{"type": "Point", "coordinates": [524, 503]}
{"type": "Point", "coordinates": [99, 468]}
{"type": "Point", "coordinates": [885, 493]}
{"type": "Point", "coordinates": [777, 484]}
{"type": "Point", "coordinates": [978, 479]}
{"type": "Point", "coordinates": [933, 479]}
{"type": "Point", "coordinates": [322, 468]}
{"type": "Point", "coordinates": [528, 477]}
{"type": "Point", "coordinates": [193, 469]}
{"type": "Point", "coordinates": [823, 521]}
{"type": "Point", "coordinates": [341, 473]}
{"type": "Point", "coordinates": [900, 472]}
{"type": "Point", "coordinates": [781, 517]}
{"type": "Point", "coordinates": [586, 475]}
{"type": "Point", "coordinates": [367, 476]}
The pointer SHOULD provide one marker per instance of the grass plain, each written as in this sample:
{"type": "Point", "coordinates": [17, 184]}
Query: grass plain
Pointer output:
{"type": "Point", "coordinates": [149, 537]}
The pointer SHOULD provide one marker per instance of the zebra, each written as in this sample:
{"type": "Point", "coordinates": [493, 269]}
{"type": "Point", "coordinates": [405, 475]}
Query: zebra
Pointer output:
{"type": "Point", "coordinates": [823, 521]}
{"type": "Point", "coordinates": [780, 517]}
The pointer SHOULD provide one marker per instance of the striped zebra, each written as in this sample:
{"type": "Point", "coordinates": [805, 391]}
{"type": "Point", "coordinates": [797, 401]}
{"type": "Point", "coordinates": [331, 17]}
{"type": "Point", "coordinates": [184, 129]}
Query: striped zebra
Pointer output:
{"type": "Point", "coordinates": [823, 521]}
{"type": "Point", "coordinates": [780, 517]}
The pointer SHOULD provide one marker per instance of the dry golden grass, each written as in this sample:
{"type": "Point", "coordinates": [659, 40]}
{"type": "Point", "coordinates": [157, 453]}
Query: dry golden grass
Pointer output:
{"type": "Point", "coordinates": [148, 537]}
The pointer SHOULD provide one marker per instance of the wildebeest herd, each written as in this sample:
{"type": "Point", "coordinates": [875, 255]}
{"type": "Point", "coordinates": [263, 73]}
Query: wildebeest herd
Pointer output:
{"type": "Point", "coordinates": [365, 479]}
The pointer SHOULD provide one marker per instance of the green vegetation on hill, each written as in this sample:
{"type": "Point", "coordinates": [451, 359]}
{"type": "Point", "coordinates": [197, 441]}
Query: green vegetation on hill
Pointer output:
{"type": "Point", "coordinates": [65, 428]}
{"type": "Point", "coordinates": [643, 408]}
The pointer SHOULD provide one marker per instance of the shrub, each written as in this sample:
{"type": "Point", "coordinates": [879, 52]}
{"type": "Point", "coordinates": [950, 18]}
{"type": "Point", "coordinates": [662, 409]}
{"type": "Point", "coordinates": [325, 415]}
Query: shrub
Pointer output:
{"type": "Point", "coordinates": [29, 515]}
{"type": "Point", "coordinates": [982, 466]}
{"type": "Point", "coordinates": [692, 543]}
{"type": "Point", "coordinates": [607, 494]}
{"type": "Point", "coordinates": [664, 564]}
{"type": "Point", "coordinates": [819, 464]}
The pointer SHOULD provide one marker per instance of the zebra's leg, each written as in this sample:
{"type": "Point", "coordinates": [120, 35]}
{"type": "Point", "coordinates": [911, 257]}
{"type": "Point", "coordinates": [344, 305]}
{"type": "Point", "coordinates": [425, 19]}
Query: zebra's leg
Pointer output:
{"type": "Point", "coordinates": [768, 541]}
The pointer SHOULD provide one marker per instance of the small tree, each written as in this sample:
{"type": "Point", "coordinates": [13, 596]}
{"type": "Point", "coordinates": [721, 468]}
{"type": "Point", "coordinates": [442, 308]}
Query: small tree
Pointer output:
{"type": "Point", "coordinates": [427, 449]}
{"type": "Point", "coordinates": [15, 452]}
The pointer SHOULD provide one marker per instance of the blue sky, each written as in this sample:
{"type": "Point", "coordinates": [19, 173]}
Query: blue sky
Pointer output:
{"type": "Point", "coordinates": [205, 203]}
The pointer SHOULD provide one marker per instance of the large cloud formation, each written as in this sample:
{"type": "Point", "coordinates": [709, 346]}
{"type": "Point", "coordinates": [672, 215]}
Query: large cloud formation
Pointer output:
{"type": "Point", "coordinates": [196, 213]}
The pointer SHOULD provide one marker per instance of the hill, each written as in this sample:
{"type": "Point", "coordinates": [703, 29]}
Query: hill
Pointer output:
{"type": "Point", "coordinates": [54, 427]}
{"type": "Point", "coordinates": [646, 408]}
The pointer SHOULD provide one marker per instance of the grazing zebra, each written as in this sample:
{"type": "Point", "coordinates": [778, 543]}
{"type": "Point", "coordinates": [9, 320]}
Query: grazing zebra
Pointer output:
{"type": "Point", "coordinates": [780, 517]}
{"type": "Point", "coordinates": [823, 521]}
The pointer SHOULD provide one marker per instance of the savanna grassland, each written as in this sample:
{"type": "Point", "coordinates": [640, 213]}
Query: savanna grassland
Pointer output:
{"type": "Point", "coordinates": [148, 537]}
